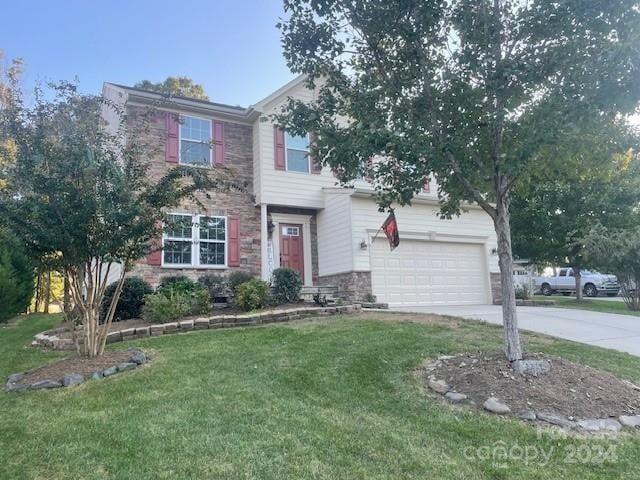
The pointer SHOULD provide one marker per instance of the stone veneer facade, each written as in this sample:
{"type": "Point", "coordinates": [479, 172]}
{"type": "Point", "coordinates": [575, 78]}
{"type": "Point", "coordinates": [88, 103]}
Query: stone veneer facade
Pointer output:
{"type": "Point", "coordinates": [238, 147]}
{"type": "Point", "coordinates": [352, 286]}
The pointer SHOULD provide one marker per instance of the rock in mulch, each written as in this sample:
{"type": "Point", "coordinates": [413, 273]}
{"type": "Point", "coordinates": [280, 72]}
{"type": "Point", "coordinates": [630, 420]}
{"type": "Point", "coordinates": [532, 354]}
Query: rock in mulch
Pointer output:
{"type": "Point", "coordinates": [527, 415]}
{"type": "Point", "coordinates": [123, 367]}
{"type": "Point", "coordinates": [600, 424]}
{"type": "Point", "coordinates": [75, 370]}
{"type": "Point", "coordinates": [445, 357]}
{"type": "Point", "coordinates": [15, 378]}
{"type": "Point", "coordinates": [71, 379]}
{"type": "Point", "coordinates": [45, 384]}
{"type": "Point", "coordinates": [439, 386]}
{"type": "Point", "coordinates": [534, 368]}
{"type": "Point", "coordinates": [556, 420]}
{"type": "Point", "coordinates": [569, 390]}
{"type": "Point", "coordinates": [493, 405]}
{"type": "Point", "coordinates": [631, 421]}
{"type": "Point", "coordinates": [454, 397]}
{"type": "Point", "coordinates": [107, 372]}
{"type": "Point", "coordinates": [138, 357]}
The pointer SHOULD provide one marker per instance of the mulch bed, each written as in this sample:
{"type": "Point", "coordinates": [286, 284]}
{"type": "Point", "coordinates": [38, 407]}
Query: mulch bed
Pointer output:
{"type": "Point", "coordinates": [82, 365]}
{"type": "Point", "coordinates": [570, 389]}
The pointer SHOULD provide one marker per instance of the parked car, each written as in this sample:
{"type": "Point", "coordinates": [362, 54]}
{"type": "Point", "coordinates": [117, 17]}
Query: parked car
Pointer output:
{"type": "Point", "coordinates": [593, 283]}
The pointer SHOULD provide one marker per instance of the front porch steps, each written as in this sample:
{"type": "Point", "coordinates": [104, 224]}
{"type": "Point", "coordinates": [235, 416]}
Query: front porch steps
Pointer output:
{"type": "Point", "coordinates": [327, 293]}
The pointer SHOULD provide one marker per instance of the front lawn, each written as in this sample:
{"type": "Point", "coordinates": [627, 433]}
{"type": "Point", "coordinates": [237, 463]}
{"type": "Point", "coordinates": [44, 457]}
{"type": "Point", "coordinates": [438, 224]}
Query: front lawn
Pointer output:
{"type": "Point", "coordinates": [592, 304]}
{"type": "Point", "coordinates": [328, 399]}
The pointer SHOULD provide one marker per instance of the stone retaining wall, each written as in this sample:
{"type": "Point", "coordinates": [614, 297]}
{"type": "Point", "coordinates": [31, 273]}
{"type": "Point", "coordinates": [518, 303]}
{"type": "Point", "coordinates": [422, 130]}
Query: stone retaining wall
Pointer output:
{"type": "Point", "coordinates": [202, 323]}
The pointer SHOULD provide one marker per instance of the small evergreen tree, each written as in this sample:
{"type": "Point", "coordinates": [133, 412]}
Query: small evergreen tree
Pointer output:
{"type": "Point", "coordinates": [16, 279]}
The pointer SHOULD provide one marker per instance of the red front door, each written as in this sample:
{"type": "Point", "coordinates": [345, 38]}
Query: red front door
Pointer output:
{"type": "Point", "coordinates": [291, 253]}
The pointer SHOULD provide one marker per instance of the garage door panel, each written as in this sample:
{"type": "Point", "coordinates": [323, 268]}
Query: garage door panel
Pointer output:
{"type": "Point", "coordinates": [420, 272]}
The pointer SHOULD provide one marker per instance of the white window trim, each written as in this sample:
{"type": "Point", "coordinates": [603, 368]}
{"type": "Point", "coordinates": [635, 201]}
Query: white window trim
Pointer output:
{"type": "Point", "coordinates": [190, 140]}
{"type": "Point", "coordinates": [195, 250]}
{"type": "Point", "coordinates": [286, 155]}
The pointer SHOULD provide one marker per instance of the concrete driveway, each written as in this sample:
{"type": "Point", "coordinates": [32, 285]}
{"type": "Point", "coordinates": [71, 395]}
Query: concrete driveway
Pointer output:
{"type": "Point", "coordinates": [608, 330]}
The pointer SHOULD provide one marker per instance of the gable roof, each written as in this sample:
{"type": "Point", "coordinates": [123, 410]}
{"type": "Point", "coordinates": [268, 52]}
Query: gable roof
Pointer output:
{"type": "Point", "coordinates": [144, 96]}
{"type": "Point", "coordinates": [236, 112]}
{"type": "Point", "coordinates": [281, 91]}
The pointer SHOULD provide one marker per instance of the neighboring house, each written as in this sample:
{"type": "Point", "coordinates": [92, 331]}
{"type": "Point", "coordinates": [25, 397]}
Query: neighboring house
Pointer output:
{"type": "Point", "coordinates": [299, 217]}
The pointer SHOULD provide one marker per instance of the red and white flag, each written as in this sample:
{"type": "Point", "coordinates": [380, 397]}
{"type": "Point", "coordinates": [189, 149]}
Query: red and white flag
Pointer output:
{"type": "Point", "coordinates": [390, 228]}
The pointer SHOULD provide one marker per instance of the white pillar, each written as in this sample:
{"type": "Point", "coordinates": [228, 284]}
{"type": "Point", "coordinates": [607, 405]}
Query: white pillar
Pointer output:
{"type": "Point", "coordinates": [264, 238]}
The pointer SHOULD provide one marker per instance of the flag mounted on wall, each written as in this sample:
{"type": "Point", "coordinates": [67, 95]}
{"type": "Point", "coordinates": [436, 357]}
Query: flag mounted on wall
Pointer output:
{"type": "Point", "coordinates": [390, 228]}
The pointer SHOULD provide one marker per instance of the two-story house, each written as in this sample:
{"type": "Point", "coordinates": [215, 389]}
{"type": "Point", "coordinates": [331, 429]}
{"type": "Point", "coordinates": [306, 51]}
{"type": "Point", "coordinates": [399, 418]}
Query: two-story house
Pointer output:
{"type": "Point", "coordinates": [299, 217]}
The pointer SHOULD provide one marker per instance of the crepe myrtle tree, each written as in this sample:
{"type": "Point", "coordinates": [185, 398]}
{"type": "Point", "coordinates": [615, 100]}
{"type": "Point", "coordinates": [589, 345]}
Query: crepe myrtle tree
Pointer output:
{"type": "Point", "coordinates": [467, 91]}
{"type": "Point", "coordinates": [81, 192]}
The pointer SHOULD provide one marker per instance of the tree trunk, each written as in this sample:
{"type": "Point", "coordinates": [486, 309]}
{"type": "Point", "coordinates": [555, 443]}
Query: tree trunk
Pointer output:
{"type": "Point", "coordinates": [88, 283]}
{"type": "Point", "coordinates": [38, 288]}
{"type": "Point", "coordinates": [577, 274]}
{"type": "Point", "coordinates": [47, 292]}
{"type": "Point", "coordinates": [513, 348]}
{"type": "Point", "coordinates": [66, 299]}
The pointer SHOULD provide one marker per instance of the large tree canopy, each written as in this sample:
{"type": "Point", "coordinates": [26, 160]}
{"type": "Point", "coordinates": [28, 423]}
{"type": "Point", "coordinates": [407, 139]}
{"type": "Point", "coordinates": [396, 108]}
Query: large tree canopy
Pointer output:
{"type": "Point", "coordinates": [558, 205]}
{"type": "Point", "coordinates": [472, 92]}
{"type": "Point", "coordinates": [175, 86]}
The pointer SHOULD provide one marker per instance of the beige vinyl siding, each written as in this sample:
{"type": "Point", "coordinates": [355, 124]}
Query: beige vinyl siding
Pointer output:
{"type": "Point", "coordinates": [281, 187]}
{"type": "Point", "coordinates": [422, 221]}
{"type": "Point", "coordinates": [335, 254]}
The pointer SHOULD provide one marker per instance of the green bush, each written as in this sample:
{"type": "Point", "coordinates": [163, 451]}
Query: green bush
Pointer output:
{"type": "Point", "coordinates": [179, 297]}
{"type": "Point", "coordinates": [16, 279]}
{"type": "Point", "coordinates": [522, 292]}
{"type": "Point", "coordinates": [252, 295]}
{"type": "Point", "coordinates": [178, 283]}
{"type": "Point", "coordinates": [131, 298]}
{"type": "Point", "coordinates": [159, 308]}
{"type": "Point", "coordinates": [170, 305]}
{"type": "Point", "coordinates": [286, 285]}
{"type": "Point", "coordinates": [236, 279]}
{"type": "Point", "coordinates": [217, 286]}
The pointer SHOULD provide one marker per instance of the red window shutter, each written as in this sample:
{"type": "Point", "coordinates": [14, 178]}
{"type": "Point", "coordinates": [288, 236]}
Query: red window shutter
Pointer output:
{"type": "Point", "coordinates": [278, 140]}
{"type": "Point", "coordinates": [315, 167]}
{"type": "Point", "coordinates": [218, 142]}
{"type": "Point", "coordinates": [173, 129]}
{"type": "Point", "coordinates": [155, 256]}
{"type": "Point", "coordinates": [234, 242]}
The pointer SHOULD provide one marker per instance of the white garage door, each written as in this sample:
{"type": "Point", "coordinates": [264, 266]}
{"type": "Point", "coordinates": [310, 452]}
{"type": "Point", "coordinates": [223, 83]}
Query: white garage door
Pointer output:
{"type": "Point", "coordinates": [420, 272]}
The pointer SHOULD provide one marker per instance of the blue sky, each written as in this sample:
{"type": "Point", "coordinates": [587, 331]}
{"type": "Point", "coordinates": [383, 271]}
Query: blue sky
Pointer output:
{"type": "Point", "coordinates": [231, 47]}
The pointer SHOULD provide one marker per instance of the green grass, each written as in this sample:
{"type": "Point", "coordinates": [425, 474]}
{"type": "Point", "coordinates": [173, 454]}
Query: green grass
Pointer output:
{"type": "Point", "coordinates": [592, 304]}
{"type": "Point", "coordinates": [330, 399]}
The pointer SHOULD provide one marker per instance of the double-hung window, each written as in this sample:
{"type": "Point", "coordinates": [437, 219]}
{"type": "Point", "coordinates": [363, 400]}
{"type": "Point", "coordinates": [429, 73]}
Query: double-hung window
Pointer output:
{"type": "Point", "coordinates": [195, 141]}
{"type": "Point", "coordinates": [297, 156]}
{"type": "Point", "coordinates": [194, 241]}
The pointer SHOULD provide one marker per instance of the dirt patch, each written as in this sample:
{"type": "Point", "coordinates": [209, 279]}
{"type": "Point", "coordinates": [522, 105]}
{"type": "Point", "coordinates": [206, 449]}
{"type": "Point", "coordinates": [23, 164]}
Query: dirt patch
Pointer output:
{"type": "Point", "coordinates": [82, 365]}
{"type": "Point", "coordinates": [422, 318]}
{"type": "Point", "coordinates": [570, 389]}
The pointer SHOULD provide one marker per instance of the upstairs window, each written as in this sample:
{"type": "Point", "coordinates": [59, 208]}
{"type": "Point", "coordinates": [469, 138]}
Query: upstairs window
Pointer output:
{"type": "Point", "coordinates": [195, 141]}
{"type": "Point", "coordinates": [297, 156]}
{"type": "Point", "coordinates": [195, 241]}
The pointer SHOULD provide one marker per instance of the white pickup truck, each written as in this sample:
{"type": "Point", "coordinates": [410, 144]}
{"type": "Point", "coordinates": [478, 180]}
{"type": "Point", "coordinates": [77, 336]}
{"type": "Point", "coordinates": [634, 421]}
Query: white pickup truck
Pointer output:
{"type": "Point", "coordinates": [593, 283]}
